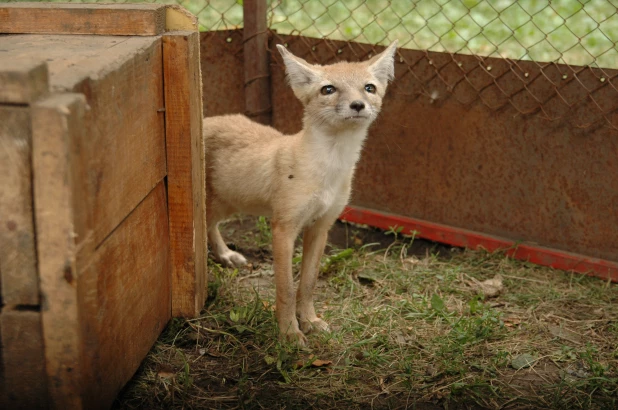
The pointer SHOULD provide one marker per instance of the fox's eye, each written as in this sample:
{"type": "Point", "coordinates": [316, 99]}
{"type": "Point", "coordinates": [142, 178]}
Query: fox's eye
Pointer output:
{"type": "Point", "coordinates": [328, 89]}
{"type": "Point", "coordinates": [370, 88]}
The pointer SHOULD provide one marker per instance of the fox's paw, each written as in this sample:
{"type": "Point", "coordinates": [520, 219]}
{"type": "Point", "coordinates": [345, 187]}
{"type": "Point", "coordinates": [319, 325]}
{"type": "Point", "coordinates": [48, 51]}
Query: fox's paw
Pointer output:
{"type": "Point", "coordinates": [314, 325]}
{"type": "Point", "coordinates": [232, 259]}
{"type": "Point", "coordinates": [294, 337]}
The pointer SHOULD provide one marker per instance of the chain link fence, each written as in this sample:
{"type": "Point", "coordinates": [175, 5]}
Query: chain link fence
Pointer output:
{"type": "Point", "coordinates": [563, 31]}
{"type": "Point", "coordinates": [556, 59]}
{"type": "Point", "coordinates": [572, 45]}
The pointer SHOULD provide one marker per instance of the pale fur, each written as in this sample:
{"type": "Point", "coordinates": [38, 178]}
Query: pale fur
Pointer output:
{"type": "Point", "coordinates": [301, 181]}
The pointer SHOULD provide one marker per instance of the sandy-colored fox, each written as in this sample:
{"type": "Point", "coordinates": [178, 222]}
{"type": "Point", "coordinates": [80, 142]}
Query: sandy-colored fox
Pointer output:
{"type": "Point", "coordinates": [301, 181]}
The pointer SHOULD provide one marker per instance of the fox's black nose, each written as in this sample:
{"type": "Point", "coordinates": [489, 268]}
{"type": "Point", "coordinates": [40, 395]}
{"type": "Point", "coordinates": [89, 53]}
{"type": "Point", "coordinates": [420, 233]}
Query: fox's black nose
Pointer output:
{"type": "Point", "coordinates": [357, 105]}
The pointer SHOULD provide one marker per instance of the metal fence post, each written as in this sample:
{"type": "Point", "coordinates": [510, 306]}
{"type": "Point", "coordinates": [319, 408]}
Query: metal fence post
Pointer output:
{"type": "Point", "coordinates": [256, 56]}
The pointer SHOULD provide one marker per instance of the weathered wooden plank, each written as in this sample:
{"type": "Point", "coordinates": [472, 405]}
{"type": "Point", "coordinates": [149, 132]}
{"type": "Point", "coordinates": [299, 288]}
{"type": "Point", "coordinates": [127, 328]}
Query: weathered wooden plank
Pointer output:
{"type": "Point", "coordinates": [57, 121]}
{"type": "Point", "coordinates": [179, 18]}
{"type": "Point", "coordinates": [72, 59]}
{"type": "Point", "coordinates": [23, 382]}
{"type": "Point", "coordinates": [18, 273]}
{"type": "Point", "coordinates": [102, 309]}
{"type": "Point", "coordinates": [102, 19]}
{"type": "Point", "coordinates": [22, 81]}
{"type": "Point", "coordinates": [121, 78]}
{"type": "Point", "coordinates": [123, 158]}
{"type": "Point", "coordinates": [124, 299]}
{"type": "Point", "coordinates": [186, 171]}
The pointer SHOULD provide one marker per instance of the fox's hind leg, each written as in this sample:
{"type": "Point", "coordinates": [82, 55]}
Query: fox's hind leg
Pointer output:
{"type": "Point", "coordinates": [219, 250]}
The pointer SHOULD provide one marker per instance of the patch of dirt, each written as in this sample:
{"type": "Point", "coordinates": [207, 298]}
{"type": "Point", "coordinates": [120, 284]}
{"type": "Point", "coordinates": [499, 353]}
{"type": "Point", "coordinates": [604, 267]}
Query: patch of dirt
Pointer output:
{"type": "Point", "coordinates": [240, 234]}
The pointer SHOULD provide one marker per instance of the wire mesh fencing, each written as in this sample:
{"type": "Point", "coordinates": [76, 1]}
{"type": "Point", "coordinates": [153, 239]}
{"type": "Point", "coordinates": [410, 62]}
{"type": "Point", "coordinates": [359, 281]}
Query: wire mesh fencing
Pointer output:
{"type": "Point", "coordinates": [557, 59]}
{"type": "Point", "coordinates": [569, 32]}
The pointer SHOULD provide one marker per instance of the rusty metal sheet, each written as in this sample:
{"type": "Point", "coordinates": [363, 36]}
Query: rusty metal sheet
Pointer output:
{"type": "Point", "coordinates": [221, 54]}
{"type": "Point", "coordinates": [465, 141]}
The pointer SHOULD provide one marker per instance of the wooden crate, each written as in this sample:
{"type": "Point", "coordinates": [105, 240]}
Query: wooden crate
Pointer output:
{"type": "Point", "coordinates": [102, 219]}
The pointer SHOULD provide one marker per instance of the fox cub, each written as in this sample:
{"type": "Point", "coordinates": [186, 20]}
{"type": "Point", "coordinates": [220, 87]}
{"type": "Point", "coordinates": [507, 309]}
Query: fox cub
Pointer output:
{"type": "Point", "coordinates": [301, 181]}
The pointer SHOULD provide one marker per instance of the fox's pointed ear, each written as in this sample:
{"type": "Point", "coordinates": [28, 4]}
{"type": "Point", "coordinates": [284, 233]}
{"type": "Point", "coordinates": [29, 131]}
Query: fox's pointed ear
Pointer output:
{"type": "Point", "coordinates": [383, 65]}
{"type": "Point", "coordinates": [299, 72]}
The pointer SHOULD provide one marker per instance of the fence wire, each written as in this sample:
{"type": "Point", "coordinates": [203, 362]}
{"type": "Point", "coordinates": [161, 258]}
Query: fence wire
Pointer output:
{"type": "Point", "coordinates": [567, 31]}
{"type": "Point", "coordinates": [555, 58]}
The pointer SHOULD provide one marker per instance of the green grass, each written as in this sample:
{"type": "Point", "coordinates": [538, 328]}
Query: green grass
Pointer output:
{"type": "Point", "coordinates": [579, 32]}
{"type": "Point", "coordinates": [411, 327]}
{"type": "Point", "coordinates": [566, 31]}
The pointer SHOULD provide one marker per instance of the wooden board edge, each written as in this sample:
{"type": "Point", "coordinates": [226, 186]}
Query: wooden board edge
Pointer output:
{"type": "Point", "coordinates": [186, 171]}
{"type": "Point", "coordinates": [56, 120]}
{"type": "Point", "coordinates": [18, 271]}
{"type": "Point", "coordinates": [94, 19]}
{"type": "Point", "coordinates": [23, 81]}
{"type": "Point", "coordinates": [199, 179]}
{"type": "Point", "coordinates": [179, 18]}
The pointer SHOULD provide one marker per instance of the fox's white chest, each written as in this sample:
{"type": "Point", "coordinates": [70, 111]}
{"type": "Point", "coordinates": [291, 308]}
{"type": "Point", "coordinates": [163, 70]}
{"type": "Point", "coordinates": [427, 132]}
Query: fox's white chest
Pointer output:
{"type": "Point", "coordinates": [333, 159]}
{"type": "Point", "coordinates": [328, 197]}
{"type": "Point", "coordinates": [324, 200]}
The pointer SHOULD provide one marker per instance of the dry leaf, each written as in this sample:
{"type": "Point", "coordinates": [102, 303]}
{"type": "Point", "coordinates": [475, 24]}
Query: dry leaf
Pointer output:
{"type": "Point", "coordinates": [314, 363]}
{"type": "Point", "coordinates": [383, 385]}
{"type": "Point", "coordinates": [512, 321]}
{"type": "Point", "coordinates": [166, 372]}
{"type": "Point", "coordinates": [321, 363]}
{"type": "Point", "coordinates": [412, 260]}
{"type": "Point", "coordinates": [489, 288]}
{"type": "Point", "coordinates": [492, 287]}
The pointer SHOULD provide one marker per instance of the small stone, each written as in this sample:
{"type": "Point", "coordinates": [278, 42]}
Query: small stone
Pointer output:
{"type": "Point", "coordinates": [522, 361]}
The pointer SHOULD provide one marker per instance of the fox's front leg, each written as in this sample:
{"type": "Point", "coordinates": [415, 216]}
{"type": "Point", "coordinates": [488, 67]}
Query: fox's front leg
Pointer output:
{"type": "Point", "coordinates": [283, 249]}
{"type": "Point", "coordinates": [314, 241]}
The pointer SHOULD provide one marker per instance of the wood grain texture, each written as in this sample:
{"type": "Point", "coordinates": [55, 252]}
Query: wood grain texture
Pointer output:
{"type": "Point", "coordinates": [22, 81]}
{"type": "Point", "coordinates": [124, 299]}
{"type": "Point", "coordinates": [73, 59]}
{"type": "Point", "coordinates": [123, 157]}
{"type": "Point", "coordinates": [102, 309]}
{"type": "Point", "coordinates": [186, 171]}
{"type": "Point", "coordinates": [18, 274]}
{"type": "Point", "coordinates": [179, 18]}
{"type": "Point", "coordinates": [108, 19]}
{"type": "Point", "coordinates": [57, 121]}
{"type": "Point", "coordinates": [23, 383]}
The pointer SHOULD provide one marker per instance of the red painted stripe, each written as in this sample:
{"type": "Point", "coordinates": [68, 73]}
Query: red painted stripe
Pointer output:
{"type": "Point", "coordinates": [601, 268]}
